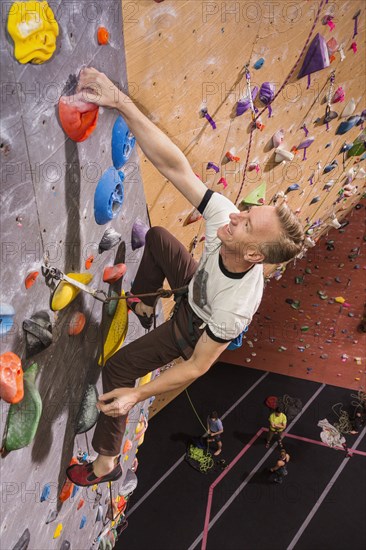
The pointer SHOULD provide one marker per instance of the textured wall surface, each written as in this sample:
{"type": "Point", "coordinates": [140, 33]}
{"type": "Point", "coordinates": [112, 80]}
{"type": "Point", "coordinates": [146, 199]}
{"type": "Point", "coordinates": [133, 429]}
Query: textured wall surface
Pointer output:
{"type": "Point", "coordinates": [180, 54]}
{"type": "Point", "coordinates": [47, 194]}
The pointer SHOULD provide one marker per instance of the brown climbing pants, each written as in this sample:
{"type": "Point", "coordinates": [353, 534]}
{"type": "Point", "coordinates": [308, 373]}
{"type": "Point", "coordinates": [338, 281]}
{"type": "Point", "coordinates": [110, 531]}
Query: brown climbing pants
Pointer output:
{"type": "Point", "coordinates": [164, 257]}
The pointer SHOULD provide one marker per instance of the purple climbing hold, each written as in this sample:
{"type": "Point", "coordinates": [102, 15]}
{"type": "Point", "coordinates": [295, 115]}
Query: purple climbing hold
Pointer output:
{"type": "Point", "coordinates": [266, 94]}
{"type": "Point", "coordinates": [305, 144]}
{"type": "Point", "coordinates": [316, 58]}
{"type": "Point", "coordinates": [213, 166]}
{"type": "Point", "coordinates": [244, 104]}
{"type": "Point", "coordinates": [139, 230]}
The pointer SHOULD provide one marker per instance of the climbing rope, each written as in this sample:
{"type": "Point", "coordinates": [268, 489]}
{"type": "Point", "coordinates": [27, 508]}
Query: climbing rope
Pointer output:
{"type": "Point", "coordinates": [203, 458]}
{"type": "Point", "coordinates": [194, 410]}
{"type": "Point", "coordinates": [344, 424]}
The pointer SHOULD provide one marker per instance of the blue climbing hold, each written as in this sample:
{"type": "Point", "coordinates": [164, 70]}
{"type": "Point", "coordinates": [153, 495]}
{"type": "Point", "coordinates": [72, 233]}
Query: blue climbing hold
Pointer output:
{"type": "Point", "coordinates": [292, 187]}
{"type": "Point", "coordinates": [7, 313]}
{"type": "Point", "coordinates": [74, 490]}
{"type": "Point", "coordinates": [259, 64]}
{"type": "Point", "coordinates": [45, 492]}
{"type": "Point", "coordinates": [123, 143]}
{"type": "Point", "coordinates": [82, 522]}
{"type": "Point", "coordinates": [347, 125]}
{"type": "Point", "coordinates": [237, 342]}
{"type": "Point", "coordinates": [108, 197]}
{"type": "Point", "coordinates": [330, 167]}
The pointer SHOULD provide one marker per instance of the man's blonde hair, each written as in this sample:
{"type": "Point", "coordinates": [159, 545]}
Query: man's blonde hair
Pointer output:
{"type": "Point", "coordinates": [291, 239]}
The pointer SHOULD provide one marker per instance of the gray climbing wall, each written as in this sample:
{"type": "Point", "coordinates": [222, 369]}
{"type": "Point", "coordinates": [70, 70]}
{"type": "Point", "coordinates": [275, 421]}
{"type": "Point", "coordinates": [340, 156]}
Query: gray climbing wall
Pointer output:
{"type": "Point", "coordinates": [47, 193]}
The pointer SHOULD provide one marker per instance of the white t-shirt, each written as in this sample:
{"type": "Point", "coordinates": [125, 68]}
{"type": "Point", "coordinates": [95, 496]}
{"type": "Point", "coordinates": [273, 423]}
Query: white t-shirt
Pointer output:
{"type": "Point", "coordinates": [226, 302]}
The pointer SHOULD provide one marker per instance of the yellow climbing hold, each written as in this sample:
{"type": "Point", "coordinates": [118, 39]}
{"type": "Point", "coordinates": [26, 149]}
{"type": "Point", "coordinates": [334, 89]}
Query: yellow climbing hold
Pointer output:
{"type": "Point", "coordinates": [117, 332]}
{"type": "Point", "coordinates": [339, 300]}
{"type": "Point", "coordinates": [58, 530]}
{"type": "Point", "coordinates": [358, 360]}
{"type": "Point", "coordinates": [125, 458]}
{"type": "Point", "coordinates": [34, 29]}
{"type": "Point", "coordinates": [145, 379]}
{"type": "Point", "coordinates": [95, 487]}
{"type": "Point", "coordinates": [65, 292]}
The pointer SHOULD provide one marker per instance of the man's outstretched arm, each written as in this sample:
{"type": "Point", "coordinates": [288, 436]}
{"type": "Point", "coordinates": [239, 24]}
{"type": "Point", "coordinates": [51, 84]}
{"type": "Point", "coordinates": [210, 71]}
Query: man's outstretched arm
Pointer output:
{"type": "Point", "coordinates": [205, 354]}
{"type": "Point", "coordinates": [158, 148]}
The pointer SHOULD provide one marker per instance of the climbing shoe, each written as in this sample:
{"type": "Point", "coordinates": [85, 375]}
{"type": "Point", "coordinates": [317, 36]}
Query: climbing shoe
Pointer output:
{"type": "Point", "coordinates": [145, 321]}
{"type": "Point", "coordinates": [83, 475]}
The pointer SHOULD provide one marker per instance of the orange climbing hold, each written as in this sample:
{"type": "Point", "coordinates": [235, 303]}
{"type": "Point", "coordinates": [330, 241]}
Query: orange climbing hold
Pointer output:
{"type": "Point", "coordinates": [89, 261]}
{"type": "Point", "coordinates": [78, 118]}
{"type": "Point", "coordinates": [11, 378]}
{"type": "Point", "coordinates": [77, 323]}
{"type": "Point", "coordinates": [127, 446]}
{"type": "Point", "coordinates": [103, 36]}
{"type": "Point", "coordinates": [68, 485]}
{"type": "Point", "coordinates": [31, 279]}
{"type": "Point", "coordinates": [113, 273]}
{"type": "Point", "coordinates": [80, 503]}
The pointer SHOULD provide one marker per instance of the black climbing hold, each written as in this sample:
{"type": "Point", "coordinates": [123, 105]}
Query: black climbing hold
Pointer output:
{"type": "Point", "coordinates": [52, 515]}
{"type": "Point", "coordinates": [65, 545]}
{"type": "Point", "coordinates": [23, 542]}
{"type": "Point", "coordinates": [110, 239]}
{"type": "Point", "coordinates": [38, 332]}
{"type": "Point", "coordinates": [88, 412]}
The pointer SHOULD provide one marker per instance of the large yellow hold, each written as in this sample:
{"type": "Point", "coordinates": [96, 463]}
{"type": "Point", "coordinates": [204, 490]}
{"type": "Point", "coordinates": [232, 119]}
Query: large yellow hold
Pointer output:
{"type": "Point", "coordinates": [34, 29]}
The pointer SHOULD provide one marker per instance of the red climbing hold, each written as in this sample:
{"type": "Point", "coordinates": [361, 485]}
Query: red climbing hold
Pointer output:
{"type": "Point", "coordinates": [89, 261]}
{"type": "Point", "coordinates": [31, 279]}
{"type": "Point", "coordinates": [68, 485]}
{"type": "Point", "coordinates": [77, 323]}
{"type": "Point", "coordinates": [113, 273]}
{"type": "Point", "coordinates": [103, 36]}
{"type": "Point", "coordinates": [11, 378]}
{"type": "Point", "coordinates": [78, 118]}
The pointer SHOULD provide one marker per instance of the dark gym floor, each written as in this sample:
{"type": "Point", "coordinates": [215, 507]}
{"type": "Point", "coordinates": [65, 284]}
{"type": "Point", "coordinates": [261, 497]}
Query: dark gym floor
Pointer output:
{"type": "Point", "coordinates": [320, 505]}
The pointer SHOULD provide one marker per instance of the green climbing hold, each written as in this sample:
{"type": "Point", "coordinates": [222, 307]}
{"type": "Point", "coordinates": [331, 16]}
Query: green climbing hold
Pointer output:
{"type": "Point", "coordinates": [308, 270]}
{"type": "Point", "coordinates": [257, 196]}
{"type": "Point", "coordinates": [299, 280]}
{"type": "Point", "coordinates": [304, 328]}
{"type": "Point", "coordinates": [295, 304]}
{"type": "Point", "coordinates": [23, 417]}
{"type": "Point", "coordinates": [112, 305]}
{"type": "Point", "coordinates": [88, 412]}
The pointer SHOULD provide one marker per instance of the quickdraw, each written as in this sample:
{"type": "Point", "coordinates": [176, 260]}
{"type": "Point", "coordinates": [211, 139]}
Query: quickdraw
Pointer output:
{"type": "Point", "coordinates": [328, 113]}
{"type": "Point", "coordinates": [249, 95]}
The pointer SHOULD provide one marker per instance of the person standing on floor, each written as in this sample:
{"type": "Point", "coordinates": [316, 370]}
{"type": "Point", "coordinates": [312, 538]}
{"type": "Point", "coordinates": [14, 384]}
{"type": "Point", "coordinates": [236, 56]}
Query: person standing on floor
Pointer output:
{"type": "Point", "coordinates": [224, 289]}
{"type": "Point", "coordinates": [280, 470]}
{"type": "Point", "coordinates": [214, 430]}
{"type": "Point", "coordinates": [277, 423]}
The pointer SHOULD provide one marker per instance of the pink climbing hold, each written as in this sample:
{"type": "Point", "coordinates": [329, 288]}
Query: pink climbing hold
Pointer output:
{"type": "Point", "coordinates": [354, 47]}
{"type": "Point", "coordinates": [223, 181]}
{"type": "Point", "coordinates": [339, 95]}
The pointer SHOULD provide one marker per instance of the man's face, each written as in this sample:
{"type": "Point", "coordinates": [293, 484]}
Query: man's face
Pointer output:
{"type": "Point", "coordinates": [247, 229]}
